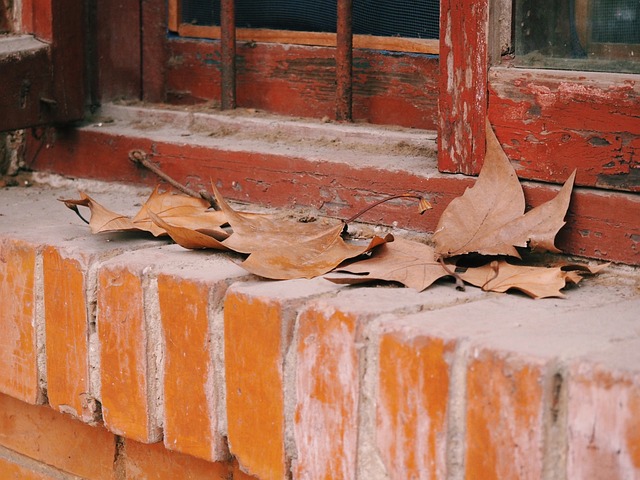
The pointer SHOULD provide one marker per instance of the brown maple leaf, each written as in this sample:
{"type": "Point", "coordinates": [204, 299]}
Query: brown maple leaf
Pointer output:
{"type": "Point", "coordinates": [179, 210]}
{"type": "Point", "coordinates": [283, 248]}
{"type": "Point", "coordinates": [537, 282]}
{"type": "Point", "coordinates": [489, 217]}
{"type": "Point", "coordinates": [102, 219]}
{"type": "Point", "coordinates": [187, 237]}
{"type": "Point", "coordinates": [307, 259]}
{"type": "Point", "coordinates": [176, 209]}
{"type": "Point", "coordinates": [411, 263]}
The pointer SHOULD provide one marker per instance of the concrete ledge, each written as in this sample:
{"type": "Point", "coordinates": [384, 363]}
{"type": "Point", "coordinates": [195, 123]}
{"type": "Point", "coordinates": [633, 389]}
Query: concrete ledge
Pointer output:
{"type": "Point", "coordinates": [338, 169]}
{"type": "Point", "coordinates": [303, 378]}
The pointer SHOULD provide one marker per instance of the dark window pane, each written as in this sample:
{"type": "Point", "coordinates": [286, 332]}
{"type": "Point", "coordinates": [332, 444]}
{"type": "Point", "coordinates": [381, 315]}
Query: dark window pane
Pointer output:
{"type": "Point", "coordinates": [402, 18]}
{"type": "Point", "coordinates": [602, 35]}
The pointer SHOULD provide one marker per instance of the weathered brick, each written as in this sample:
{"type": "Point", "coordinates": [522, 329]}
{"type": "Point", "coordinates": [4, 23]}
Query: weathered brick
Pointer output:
{"type": "Point", "coordinates": [15, 471]}
{"type": "Point", "coordinates": [125, 369]}
{"type": "Point", "coordinates": [327, 389]}
{"type": "Point", "coordinates": [190, 418]}
{"type": "Point", "coordinates": [67, 334]}
{"type": "Point", "coordinates": [504, 417]}
{"type": "Point", "coordinates": [56, 439]}
{"type": "Point", "coordinates": [330, 439]}
{"type": "Point", "coordinates": [155, 462]}
{"type": "Point", "coordinates": [604, 421]}
{"type": "Point", "coordinates": [258, 328]}
{"type": "Point", "coordinates": [19, 375]}
{"type": "Point", "coordinates": [413, 386]}
{"type": "Point", "coordinates": [190, 299]}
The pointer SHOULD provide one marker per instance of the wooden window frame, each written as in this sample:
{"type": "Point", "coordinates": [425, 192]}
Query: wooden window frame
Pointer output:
{"type": "Point", "coordinates": [530, 108]}
{"type": "Point", "coordinates": [320, 39]}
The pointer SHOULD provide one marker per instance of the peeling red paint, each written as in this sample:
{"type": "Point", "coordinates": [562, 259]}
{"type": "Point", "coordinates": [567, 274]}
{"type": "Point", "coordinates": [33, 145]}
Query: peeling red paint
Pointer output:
{"type": "Point", "coordinates": [301, 81]}
{"type": "Point", "coordinates": [552, 123]}
{"type": "Point", "coordinates": [463, 80]}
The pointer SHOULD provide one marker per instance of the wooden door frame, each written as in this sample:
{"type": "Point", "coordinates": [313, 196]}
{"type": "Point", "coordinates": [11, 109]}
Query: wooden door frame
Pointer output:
{"type": "Point", "coordinates": [43, 68]}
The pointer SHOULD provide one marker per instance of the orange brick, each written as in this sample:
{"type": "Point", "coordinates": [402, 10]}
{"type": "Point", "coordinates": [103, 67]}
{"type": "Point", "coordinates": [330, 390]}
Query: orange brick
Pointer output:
{"type": "Point", "coordinates": [327, 387]}
{"type": "Point", "coordinates": [155, 462]}
{"type": "Point", "coordinates": [19, 374]}
{"type": "Point", "coordinates": [504, 437]}
{"type": "Point", "coordinates": [190, 402]}
{"type": "Point", "coordinates": [14, 471]}
{"type": "Point", "coordinates": [413, 394]}
{"type": "Point", "coordinates": [124, 364]}
{"type": "Point", "coordinates": [603, 423]}
{"type": "Point", "coordinates": [56, 439]}
{"type": "Point", "coordinates": [255, 392]}
{"type": "Point", "coordinates": [258, 328]}
{"type": "Point", "coordinates": [67, 335]}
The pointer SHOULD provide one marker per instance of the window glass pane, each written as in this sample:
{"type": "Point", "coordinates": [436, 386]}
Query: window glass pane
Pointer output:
{"type": "Point", "coordinates": [401, 18]}
{"type": "Point", "coordinates": [600, 35]}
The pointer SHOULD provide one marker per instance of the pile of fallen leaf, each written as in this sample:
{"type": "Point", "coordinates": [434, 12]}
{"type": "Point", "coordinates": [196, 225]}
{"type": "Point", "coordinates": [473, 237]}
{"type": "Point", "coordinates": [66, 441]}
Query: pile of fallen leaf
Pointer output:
{"type": "Point", "coordinates": [476, 235]}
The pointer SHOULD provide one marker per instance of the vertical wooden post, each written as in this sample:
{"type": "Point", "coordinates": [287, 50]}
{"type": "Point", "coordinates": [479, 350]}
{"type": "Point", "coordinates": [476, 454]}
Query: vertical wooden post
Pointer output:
{"type": "Point", "coordinates": [154, 17]}
{"type": "Point", "coordinates": [464, 62]}
{"type": "Point", "coordinates": [344, 60]}
{"type": "Point", "coordinates": [228, 49]}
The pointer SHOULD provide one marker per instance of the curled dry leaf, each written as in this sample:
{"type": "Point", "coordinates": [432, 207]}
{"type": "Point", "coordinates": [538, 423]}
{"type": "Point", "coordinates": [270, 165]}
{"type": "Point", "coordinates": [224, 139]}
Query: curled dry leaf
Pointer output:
{"type": "Point", "coordinates": [283, 248]}
{"type": "Point", "coordinates": [489, 217]}
{"type": "Point", "coordinates": [537, 282]}
{"type": "Point", "coordinates": [186, 237]}
{"type": "Point", "coordinates": [307, 259]}
{"type": "Point", "coordinates": [255, 231]}
{"type": "Point", "coordinates": [175, 209]}
{"type": "Point", "coordinates": [411, 263]}
{"type": "Point", "coordinates": [180, 211]}
{"type": "Point", "coordinates": [102, 219]}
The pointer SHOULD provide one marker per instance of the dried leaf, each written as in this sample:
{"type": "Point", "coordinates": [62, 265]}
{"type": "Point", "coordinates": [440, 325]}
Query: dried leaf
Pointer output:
{"type": "Point", "coordinates": [102, 219]}
{"type": "Point", "coordinates": [283, 248]}
{"type": "Point", "coordinates": [583, 267]}
{"type": "Point", "coordinates": [470, 222]}
{"type": "Point", "coordinates": [540, 225]}
{"type": "Point", "coordinates": [309, 258]}
{"type": "Point", "coordinates": [186, 237]}
{"type": "Point", "coordinates": [179, 210]}
{"type": "Point", "coordinates": [411, 263]}
{"type": "Point", "coordinates": [176, 209]}
{"type": "Point", "coordinates": [537, 282]}
{"type": "Point", "coordinates": [253, 232]}
{"type": "Point", "coordinates": [489, 217]}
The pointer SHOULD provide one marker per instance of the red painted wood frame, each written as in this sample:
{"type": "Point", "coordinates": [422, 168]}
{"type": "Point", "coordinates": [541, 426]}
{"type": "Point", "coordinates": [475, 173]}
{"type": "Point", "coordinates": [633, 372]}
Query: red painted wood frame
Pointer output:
{"type": "Point", "coordinates": [549, 122]}
{"type": "Point", "coordinates": [43, 75]}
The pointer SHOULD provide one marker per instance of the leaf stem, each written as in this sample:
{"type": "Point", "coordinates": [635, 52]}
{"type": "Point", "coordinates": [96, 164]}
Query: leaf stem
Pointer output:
{"type": "Point", "coordinates": [459, 281]}
{"type": "Point", "coordinates": [75, 208]}
{"type": "Point", "coordinates": [424, 205]}
{"type": "Point", "coordinates": [140, 157]}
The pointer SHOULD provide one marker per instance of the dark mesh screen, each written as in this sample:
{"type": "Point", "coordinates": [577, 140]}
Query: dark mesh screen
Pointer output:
{"type": "Point", "coordinates": [402, 18]}
{"type": "Point", "coordinates": [616, 21]}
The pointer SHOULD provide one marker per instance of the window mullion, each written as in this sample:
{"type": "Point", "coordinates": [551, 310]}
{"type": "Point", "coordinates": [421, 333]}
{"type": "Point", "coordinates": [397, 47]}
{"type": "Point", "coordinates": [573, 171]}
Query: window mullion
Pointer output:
{"type": "Point", "coordinates": [228, 54]}
{"type": "Point", "coordinates": [344, 60]}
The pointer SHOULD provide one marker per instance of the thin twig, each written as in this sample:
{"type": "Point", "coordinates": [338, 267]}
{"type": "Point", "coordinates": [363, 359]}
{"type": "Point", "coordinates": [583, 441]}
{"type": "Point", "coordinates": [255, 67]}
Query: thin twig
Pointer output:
{"type": "Point", "coordinates": [424, 205]}
{"type": "Point", "coordinates": [459, 281]}
{"type": "Point", "coordinates": [140, 157]}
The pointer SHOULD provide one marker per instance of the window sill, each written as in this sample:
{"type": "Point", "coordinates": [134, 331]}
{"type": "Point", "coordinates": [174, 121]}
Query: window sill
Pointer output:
{"type": "Point", "coordinates": [338, 169]}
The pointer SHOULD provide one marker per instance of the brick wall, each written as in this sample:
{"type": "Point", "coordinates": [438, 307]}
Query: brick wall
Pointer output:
{"type": "Point", "coordinates": [122, 357]}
